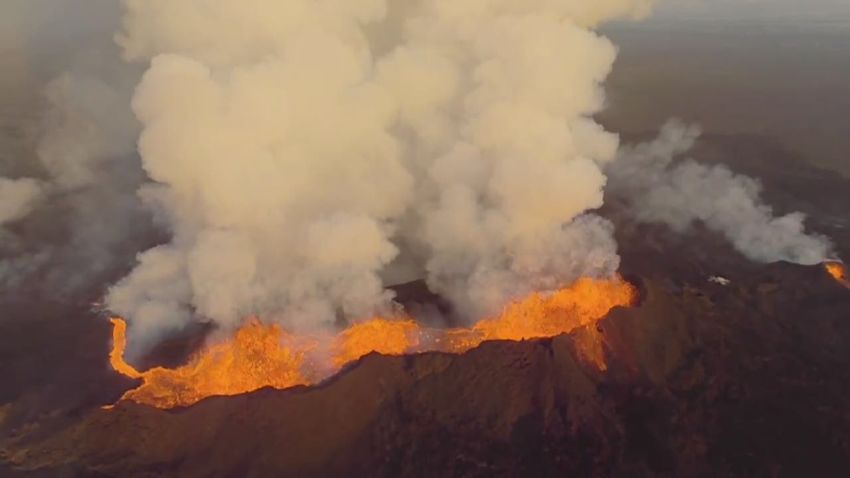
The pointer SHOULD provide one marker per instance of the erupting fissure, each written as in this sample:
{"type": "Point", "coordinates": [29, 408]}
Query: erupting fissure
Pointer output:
{"type": "Point", "coordinates": [259, 355]}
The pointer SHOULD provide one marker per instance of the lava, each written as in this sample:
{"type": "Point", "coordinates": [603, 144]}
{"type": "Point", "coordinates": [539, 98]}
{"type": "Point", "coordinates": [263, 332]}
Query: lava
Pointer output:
{"type": "Point", "coordinates": [119, 344]}
{"type": "Point", "coordinates": [388, 337]}
{"type": "Point", "coordinates": [838, 272]}
{"type": "Point", "coordinates": [257, 356]}
{"type": "Point", "coordinates": [260, 356]}
{"type": "Point", "coordinates": [543, 315]}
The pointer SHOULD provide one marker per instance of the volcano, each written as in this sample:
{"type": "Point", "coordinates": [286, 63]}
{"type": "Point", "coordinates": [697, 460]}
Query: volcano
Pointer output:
{"type": "Point", "coordinates": [412, 238]}
{"type": "Point", "coordinates": [745, 376]}
{"type": "Point", "coordinates": [699, 379]}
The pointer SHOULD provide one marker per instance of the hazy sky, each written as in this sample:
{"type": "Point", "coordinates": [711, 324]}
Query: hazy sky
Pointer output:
{"type": "Point", "coordinates": [773, 68]}
{"type": "Point", "coordinates": [753, 10]}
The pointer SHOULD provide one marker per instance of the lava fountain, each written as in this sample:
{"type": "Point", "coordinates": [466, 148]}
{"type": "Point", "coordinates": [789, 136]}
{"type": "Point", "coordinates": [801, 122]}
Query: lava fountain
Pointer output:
{"type": "Point", "coordinates": [259, 355]}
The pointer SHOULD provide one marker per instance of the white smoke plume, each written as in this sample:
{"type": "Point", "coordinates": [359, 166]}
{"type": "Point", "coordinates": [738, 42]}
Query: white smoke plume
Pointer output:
{"type": "Point", "coordinates": [299, 150]}
{"type": "Point", "coordinates": [663, 189]}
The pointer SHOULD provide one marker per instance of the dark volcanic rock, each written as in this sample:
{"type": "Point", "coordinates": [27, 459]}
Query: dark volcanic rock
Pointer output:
{"type": "Point", "coordinates": [704, 380]}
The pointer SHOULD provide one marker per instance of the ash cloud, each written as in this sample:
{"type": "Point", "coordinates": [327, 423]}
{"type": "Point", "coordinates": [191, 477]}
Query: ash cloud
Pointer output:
{"type": "Point", "coordinates": [661, 187]}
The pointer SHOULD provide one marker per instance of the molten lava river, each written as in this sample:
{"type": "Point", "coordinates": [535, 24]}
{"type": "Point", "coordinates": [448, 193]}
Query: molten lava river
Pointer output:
{"type": "Point", "coordinates": [259, 355]}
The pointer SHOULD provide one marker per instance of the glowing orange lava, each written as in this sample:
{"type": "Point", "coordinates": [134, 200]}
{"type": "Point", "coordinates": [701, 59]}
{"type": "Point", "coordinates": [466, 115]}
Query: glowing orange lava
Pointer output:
{"type": "Point", "coordinates": [547, 315]}
{"type": "Point", "coordinates": [260, 356]}
{"type": "Point", "coordinates": [119, 344]}
{"type": "Point", "coordinates": [837, 271]}
{"type": "Point", "coordinates": [388, 337]}
{"type": "Point", "coordinates": [257, 356]}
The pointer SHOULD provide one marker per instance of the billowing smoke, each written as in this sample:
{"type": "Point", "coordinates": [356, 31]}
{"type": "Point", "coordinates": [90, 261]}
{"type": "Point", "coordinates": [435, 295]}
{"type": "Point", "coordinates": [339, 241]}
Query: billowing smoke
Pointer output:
{"type": "Point", "coordinates": [299, 150]}
{"type": "Point", "coordinates": [291, 159]}
{"type": "Point", "coordinates": [662, 189]}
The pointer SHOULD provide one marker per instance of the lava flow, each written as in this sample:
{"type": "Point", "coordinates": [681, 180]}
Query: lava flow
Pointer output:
{"type": "Point", "coordinates": [257, 356]}
{"type": "Point", "coordinates": [389, 337]}
{"type": "Point", "coordinates": [260, 356]}
{"type": "Point", "coordinates": [547, 315]}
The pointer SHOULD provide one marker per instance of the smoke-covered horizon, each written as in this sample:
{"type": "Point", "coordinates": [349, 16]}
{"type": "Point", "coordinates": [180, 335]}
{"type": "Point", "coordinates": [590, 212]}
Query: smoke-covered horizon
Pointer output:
{"type": "Point", "coordinates": [298, 154]}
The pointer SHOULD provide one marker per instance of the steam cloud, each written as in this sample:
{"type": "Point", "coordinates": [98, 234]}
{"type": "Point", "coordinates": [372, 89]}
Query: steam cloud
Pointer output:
{"type": "Point", "coordinates": [679, 193]}
{"type": "Point", "coordinates": [300, 149]}
{"type": "Point", "coordinates": [301, 155]}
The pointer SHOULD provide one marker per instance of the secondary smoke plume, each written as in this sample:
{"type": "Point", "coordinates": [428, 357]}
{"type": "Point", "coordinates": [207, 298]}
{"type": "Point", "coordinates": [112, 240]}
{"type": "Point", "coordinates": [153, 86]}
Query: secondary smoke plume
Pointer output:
{"type": "Point", "coordinates": [87, 176]}
{"type": "Point", "coordinates": [300, 149]}
{"type": "Point", "coordinates": [74, 201]}
{"type": "Point", "coordinates": [680, 193]}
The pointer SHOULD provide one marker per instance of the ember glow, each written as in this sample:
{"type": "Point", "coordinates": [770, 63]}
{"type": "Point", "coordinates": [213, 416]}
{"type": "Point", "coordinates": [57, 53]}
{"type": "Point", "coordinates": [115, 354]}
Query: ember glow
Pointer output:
{"type": "Point", "coordinates": [260, 356]}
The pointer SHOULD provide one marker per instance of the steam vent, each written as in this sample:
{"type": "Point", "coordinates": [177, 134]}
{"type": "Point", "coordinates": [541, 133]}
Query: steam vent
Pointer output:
{"type": "Point", "coordinates": [423, 238]}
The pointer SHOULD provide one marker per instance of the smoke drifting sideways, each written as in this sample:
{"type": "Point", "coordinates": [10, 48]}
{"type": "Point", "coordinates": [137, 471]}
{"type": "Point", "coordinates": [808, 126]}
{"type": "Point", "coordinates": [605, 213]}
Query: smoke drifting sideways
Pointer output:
{"type": "Point", "coordinates": [660, 188]}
